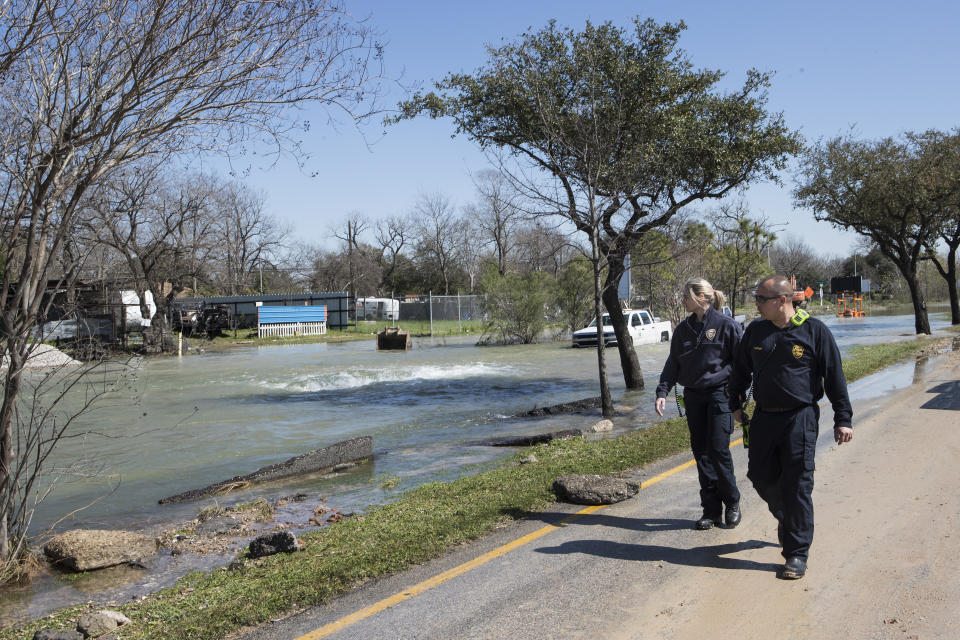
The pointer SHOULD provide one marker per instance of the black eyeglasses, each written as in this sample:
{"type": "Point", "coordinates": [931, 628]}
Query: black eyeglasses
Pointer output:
{"type": "Point", "coordinates": [760, 298]}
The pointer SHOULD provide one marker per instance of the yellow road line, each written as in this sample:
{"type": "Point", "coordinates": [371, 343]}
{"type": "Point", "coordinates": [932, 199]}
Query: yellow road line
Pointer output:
{"type": "Point", "coordinates": [430, 583]}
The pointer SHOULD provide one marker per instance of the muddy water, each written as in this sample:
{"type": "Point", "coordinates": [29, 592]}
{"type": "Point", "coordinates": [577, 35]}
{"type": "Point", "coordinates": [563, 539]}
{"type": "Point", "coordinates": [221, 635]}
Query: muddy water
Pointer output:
{"type": "Point", "coordinates": [186, 423]}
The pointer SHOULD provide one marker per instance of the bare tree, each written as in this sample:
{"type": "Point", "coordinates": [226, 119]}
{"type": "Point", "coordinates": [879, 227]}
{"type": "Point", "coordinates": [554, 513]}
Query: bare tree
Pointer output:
{"type": "Point", "coordinates": [496, 215]}
{"type": "Point", "coordinates": [246, 235]}
{"type": "Point", "coordinates": [542, 247]}
{"type": "Point", "coordinates": [392, 235]}
{"type": "Point", "coordinates": [436, 225]}
{"type": "Point", "coordinates": [355, 225]}
{"type": "Point", "coordinates": [90, 85]}
{"type": "Point", "coordinates": [165, 233]}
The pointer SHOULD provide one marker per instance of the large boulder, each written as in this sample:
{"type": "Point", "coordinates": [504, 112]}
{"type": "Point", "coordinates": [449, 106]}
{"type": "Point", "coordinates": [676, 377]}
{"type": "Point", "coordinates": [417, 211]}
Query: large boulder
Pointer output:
{"type": "Point", "coordinates": [594, 489]}
{"type": "Point", "coordinates": [271, 543]}
{"type": "Point", "coordinates": [96, 624]}
{"type": "Point", "coordinates": [85, 549]}
{"type": "Point", "coordinates": [602, 426]}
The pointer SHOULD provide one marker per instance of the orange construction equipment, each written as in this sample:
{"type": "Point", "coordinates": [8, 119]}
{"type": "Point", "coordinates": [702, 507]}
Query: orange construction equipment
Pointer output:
{"type": "Point", "coordinates": [850, 305]}
{"type": "Point", "coordinates": [799, 296]}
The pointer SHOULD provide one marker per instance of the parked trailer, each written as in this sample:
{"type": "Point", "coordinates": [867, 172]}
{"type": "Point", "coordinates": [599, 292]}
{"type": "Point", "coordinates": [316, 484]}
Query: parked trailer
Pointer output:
{"type": "Point", "coordinates": [378, 309]}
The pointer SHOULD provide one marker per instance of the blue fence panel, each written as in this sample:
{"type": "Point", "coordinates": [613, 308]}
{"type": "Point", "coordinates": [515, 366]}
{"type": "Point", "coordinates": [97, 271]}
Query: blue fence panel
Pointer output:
{"type": "Point", "coordinates": [274, 315]}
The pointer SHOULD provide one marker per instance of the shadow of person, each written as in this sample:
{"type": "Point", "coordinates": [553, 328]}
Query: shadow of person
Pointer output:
{"type": "Point", "coordinates": [708, 556]}
{"type": "Point", "coordinates": [606, 520]}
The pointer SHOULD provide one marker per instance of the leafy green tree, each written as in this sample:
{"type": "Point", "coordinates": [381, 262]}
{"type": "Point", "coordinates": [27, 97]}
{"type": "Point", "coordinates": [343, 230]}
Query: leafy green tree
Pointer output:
{"type": "Point", "coordinates": [614, 130]}
{"type": "Point", "coordinates": [574, 293]}
{"type": "Point", "coordinates": [739, 257]}
{"type": "Point", "coordinates": [665, 259]}
{"type": "Point", "coordinates": [888, 190]}
{"type": "Point", "coordinates": [516, 305]}
{"type": "Point", "coordinates": [944, 152]}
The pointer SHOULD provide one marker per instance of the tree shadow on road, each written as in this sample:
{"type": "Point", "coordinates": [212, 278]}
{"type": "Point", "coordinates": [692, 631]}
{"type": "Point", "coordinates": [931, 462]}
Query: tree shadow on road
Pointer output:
{"type": "Point", "coordinates": [706, 556]}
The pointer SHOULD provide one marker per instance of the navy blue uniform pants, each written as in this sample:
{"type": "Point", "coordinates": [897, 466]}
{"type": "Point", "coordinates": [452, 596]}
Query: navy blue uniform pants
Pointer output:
{"type": "Point", "coordinates": [782, 446]}
{"type": "Point", "coordinates": [711, 423]}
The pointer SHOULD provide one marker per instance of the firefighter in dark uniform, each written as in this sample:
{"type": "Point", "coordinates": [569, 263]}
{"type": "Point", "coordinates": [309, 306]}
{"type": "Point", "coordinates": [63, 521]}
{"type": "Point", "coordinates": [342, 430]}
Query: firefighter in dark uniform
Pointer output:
{"type": "Point", "coordinates": [700, 360]}
{"type": "Point", "coordinates": [791, 359]}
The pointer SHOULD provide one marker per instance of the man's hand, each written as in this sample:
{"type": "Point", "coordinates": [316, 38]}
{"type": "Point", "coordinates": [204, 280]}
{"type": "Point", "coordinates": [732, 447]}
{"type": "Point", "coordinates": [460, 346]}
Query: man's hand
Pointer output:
{"type": "Point", "coordinates": [738, 415]}
{"type": "Point", "coordinates": [660, 405]}
{"type": "Point", "coordinates": [842, 434]}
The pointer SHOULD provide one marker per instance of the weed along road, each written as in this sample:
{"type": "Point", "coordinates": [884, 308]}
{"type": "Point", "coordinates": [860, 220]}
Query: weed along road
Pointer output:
{"type": "Point", "coordinates": [882, 564]}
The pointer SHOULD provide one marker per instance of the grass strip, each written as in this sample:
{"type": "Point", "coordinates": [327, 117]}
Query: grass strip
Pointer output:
{"type": "Point", "coordinates": [421, 525]}
{"type": "Point", "coordinates": [865, 360]}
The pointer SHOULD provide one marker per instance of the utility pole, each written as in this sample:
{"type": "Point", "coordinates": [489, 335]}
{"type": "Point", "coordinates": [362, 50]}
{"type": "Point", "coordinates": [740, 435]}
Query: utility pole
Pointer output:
{"type": "Point", "coordinates": [353, 291]}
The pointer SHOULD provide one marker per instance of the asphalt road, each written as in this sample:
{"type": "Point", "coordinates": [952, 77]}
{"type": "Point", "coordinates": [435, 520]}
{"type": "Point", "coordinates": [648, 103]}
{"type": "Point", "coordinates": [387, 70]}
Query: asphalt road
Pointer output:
{"type": "Point", "coordinates": [881, 565]}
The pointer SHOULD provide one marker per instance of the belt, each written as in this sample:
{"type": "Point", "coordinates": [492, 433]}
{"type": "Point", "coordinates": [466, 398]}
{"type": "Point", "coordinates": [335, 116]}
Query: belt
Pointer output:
{"type": "Point", "coordinates": [779, 409]}
{"type": "Point", "coordinates": [716, 387]}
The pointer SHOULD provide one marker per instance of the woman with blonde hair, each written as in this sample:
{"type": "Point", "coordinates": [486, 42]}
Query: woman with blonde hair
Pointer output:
{"type": "Point", "coordinates": [701, 360]}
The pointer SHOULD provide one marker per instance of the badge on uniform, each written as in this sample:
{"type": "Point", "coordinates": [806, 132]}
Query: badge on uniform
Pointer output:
{"type": "Point", "coordinates": [710, 333]}
{"type": "Point", "coordinates": [797, 351]}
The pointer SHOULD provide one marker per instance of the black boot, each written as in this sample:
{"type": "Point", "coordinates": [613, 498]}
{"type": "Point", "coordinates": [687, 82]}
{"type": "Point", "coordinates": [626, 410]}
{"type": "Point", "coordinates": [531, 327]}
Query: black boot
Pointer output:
{"type": "Point", "coordinates": [732, 514]}
{"type": "Point", "coordinates": [708, 522]}
{"type": "Point", "coordinates": [794, 569]}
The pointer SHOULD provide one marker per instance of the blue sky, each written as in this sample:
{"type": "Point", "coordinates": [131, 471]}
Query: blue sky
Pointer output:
{"type": "Point", "coordinates": [879, 67]}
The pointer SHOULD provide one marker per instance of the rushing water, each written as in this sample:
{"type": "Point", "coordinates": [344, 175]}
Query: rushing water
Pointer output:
{"type": "Point", "coordinates": [184, 423]}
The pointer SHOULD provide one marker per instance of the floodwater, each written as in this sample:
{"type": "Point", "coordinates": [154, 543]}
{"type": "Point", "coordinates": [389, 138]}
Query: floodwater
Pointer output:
{"type": "Point", "coordinates": [184, 423]}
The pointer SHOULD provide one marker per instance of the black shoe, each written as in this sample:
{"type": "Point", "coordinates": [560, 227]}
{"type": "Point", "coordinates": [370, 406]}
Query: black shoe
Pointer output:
{"type": "Point", "coordinates": [794, 568]}
{"type": "Point", "coordinates": [732, 515]}
{"type": "Point", "coordinates": [707, 522]}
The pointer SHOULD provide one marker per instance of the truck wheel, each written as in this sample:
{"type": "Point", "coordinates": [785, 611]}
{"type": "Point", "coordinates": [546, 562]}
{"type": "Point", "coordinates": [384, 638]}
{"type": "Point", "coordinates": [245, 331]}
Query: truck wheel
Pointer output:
{"type": "Point", "coordinates": [665, 336]}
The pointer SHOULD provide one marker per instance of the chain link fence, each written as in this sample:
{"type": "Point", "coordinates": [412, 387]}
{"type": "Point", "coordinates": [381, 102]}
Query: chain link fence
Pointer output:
{"type": "Point", "coordinates": [443, 308]}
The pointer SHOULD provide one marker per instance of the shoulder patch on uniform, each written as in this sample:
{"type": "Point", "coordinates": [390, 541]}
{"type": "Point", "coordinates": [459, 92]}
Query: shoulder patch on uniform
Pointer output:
{"type": "Point", "coordinates": [710, 334]}
{"type": "Point", "coordinates": [797, 351]}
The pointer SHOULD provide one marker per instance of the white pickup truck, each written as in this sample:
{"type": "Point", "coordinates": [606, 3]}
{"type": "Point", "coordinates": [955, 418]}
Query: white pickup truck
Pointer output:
{"type": "Point", "coordinates": [643, 327]}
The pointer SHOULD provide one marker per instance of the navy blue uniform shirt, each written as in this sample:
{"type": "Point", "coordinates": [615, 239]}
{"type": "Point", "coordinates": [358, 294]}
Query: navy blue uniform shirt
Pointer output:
{"type": "Point", "coordinates": [701, 354]}
{"type": "Point", "coordinates": [790, 367]}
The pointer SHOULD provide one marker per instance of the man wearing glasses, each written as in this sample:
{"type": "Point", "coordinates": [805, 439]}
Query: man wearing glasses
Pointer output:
{"type": "Point", "coordinates": [791, 359]}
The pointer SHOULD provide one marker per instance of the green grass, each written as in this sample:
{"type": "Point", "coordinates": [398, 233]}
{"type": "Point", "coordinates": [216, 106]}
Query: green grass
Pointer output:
{"type": "Point", "coordinates": [864, 360]}
{"type": "Point", "coordinates": [422, 524]}
{"type": "Point", "coordinates": [420, 327]}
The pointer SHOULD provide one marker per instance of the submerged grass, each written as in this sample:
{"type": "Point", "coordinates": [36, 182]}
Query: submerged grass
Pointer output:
{"type": "Point", "coordinates": [424, 523]}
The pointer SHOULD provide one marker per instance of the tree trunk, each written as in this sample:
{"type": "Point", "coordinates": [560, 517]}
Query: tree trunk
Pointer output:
{"type": "Point", "coordinates": [606, 401]}
{"type": "Point", "coordinates": [11, 387]}
{"type": "Point", "coordinates": [950, 275]}
{"type": "Point", "coordinates": [629, 361]}
{"type": "Point", "coordinates": [952, 288]}
{"type": "Point", "coordinates": [921, 321]}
